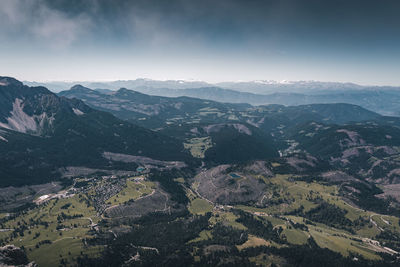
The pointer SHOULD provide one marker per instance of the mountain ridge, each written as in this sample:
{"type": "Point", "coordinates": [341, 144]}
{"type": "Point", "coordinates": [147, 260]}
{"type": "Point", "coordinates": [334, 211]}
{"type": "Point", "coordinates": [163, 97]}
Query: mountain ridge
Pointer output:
{"type": "Point", "coordinates": [43, 132]}
{"type": "Point", "coordinates": [381, 99]}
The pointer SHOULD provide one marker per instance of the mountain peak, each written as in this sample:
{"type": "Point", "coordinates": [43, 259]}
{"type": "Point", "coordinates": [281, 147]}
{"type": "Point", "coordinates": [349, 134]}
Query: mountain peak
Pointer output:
{"type": "Point", "coordinates": [5, 81]}
{"type": "Point", "coordinates": [124, 90]}
{"type": "Point", "coordinates": [79, 87]}
{"type": "Point", "coordinates": [129, 91]}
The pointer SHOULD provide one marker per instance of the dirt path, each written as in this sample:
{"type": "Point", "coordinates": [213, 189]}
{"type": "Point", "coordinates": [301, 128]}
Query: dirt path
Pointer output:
{"type": "Point", "coordinates": [166, 207]}
{"type": "Point", "coordinates": [91, 221]}
{"type": "Point", "coordinates": [374, 223]}
{"type": "Point", "coordinates": [145, 196]}
{"type": "Point", "coordinates": [55, 241]}
{"type": "Point", "coordinates": [198, 194]}
{"type": "Point", "coordinates": [68, 237]}
{"type": "Point", "coordinates": [387, 222]}
{"type": "Point", "coordinates": [147, 248]}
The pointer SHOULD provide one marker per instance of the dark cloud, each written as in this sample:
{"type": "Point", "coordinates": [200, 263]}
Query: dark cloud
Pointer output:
{"type": "Point", "coordinates": [281, 31]}
{"type": "Point", "coordinates": [217, 21]}
{"type": "Point", "coordinates": [342, 18]}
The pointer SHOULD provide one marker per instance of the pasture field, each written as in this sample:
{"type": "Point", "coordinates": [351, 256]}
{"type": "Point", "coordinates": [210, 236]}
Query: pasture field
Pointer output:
{"type": "Point", "coordinates": [204, 235]}
{"type": "Point", "coordinates": [135, 188]}
{"type": "Point", "coordinates": [198, 146]}
{"type": "Point", "coordinates": [55, 231]}
{"type": "Point", "coordinates": [226, 218]}
{"type": "Point", "coordinates": [253, 241]}
{"type": "Point", "coordinates": [200, 206]}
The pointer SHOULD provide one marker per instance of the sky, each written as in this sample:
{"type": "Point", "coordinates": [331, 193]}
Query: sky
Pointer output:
{"type": "Point", "coordinates": [220, 40]}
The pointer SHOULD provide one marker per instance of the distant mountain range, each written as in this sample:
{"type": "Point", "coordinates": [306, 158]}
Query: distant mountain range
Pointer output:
{"type": "Point", "coordinates": [381, 99]}
{"type": "Point", "coordinates": [257, 87]}
{"type": "Point", "coordinates": [102, 129]}
{"type": "Point", "coordinates": [139, 107]}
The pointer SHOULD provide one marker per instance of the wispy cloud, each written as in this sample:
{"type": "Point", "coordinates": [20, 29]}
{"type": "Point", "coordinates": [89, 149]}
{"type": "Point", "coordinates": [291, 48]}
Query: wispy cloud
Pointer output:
{"type": "Point", "coordinates": [36, 21]}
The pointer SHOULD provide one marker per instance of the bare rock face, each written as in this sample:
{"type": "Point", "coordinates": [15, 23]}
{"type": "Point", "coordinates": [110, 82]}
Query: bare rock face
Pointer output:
{"type": "Point", "coordinates": [11, 255]}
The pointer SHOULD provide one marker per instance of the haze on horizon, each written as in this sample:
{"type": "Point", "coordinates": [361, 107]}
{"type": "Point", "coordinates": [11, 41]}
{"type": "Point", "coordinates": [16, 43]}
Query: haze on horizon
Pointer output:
{"type": "Point", "coordinates": [342, 41]}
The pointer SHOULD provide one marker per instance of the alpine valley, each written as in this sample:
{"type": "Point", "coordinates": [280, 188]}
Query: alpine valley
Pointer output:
{"type": "Point", "coordinates": [122, 177]}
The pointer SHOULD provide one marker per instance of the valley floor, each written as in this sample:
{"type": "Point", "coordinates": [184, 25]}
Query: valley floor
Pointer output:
{"type": "Point", "coordinates": [271, 211]}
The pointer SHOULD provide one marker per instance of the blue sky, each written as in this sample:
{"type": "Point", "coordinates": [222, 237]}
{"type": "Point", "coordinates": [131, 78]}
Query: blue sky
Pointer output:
{"type": "Point", "coordinates": [220, 40]}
